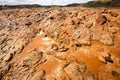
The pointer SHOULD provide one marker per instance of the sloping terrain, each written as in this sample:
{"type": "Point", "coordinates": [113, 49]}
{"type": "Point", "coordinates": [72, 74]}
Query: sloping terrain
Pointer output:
{"type": "Point", "coordinates": [103, 3]}
{"type": "Point", "coordinates": [60, 43]}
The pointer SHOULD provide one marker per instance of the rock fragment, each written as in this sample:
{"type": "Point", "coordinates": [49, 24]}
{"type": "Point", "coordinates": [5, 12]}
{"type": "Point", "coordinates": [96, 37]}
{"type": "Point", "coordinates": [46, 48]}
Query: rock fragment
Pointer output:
{"type": "Point", "coordinates": [105, 57]}
{"type": "Point", "coordinates": [90, 76]}
{"type": "Point", "coordinates": [39, 76]}
{"type": "Point", "coordinates": [107, 39]}
{"type": "Point", "coordinates": [76, 71]}
{"type": "Point", "coordinates": [8, 57]}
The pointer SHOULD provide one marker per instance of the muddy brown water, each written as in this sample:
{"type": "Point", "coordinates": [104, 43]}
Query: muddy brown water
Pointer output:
{"type": "Point", "coordinates": [37, 43]}
{"type": "Point", "coordinates": [91, 61]}
{"type": "Point", "coordinates": [41, 43]}
{"type": "Point", "coordinates": [49, 66]}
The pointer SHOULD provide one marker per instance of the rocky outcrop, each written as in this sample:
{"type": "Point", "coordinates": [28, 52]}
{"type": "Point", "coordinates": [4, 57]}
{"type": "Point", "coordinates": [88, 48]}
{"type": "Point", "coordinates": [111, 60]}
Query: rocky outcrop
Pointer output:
{"type": "Point", "coordinates": [84, 43]}
{"type": "Point", "coordinates": [38, 76]}
{"type": "Point", "coordinates": [75, 71]}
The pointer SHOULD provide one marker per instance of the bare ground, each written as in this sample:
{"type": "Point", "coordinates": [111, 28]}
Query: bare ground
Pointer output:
{"type": "Point", "coordinates": [60, 43]}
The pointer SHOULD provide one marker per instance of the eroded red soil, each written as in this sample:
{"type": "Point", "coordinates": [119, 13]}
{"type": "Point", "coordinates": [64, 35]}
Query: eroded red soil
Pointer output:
{"type": "Point", "coordinates": [60, 43]}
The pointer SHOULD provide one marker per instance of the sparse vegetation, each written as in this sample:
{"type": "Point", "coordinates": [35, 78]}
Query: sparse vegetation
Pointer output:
{"type": "Point", "coordinates": [103, 3]}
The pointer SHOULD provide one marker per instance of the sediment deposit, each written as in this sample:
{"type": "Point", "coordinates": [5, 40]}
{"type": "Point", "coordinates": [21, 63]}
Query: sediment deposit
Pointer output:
{"type": "Point", "coordinates": [60, 43]}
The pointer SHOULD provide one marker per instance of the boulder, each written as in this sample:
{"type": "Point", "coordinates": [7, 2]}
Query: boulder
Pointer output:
{"type": "Point", "coordinates": [28, 23]}
{"type": "Point", "coordinates": [105, 57]}
{"type": "Point", "coordinates": [101, 19]}
{"type": "Point", "coordinates": [8, 57]}
{"type": "Point", "coordinates": [90, 76]}
{"type": "Point", "coordinates": [63, 49]}
{"type": "Point", "coordinates": [6, 69]}
{"type": "Point", "coordinates": [113, 14]}
{"type": "Point", "coordinates": [54, 47]}
{"type": "Point", "coordinates": [76, 70]}
{"type": "Point", "coordinates": [61, 55]}
{"type": "Point", "coordinates": [102, 59]}
{"type": "Point", "coordinates": [29, 75]}
{"type": "Point", "coordinates": [82, 35]}
{"type": "Point", "coordinates": [1, 75]}
{"type": "Point", "coordinates": [107, 39]}
{"type": "Point", "coordinates": [39, 75]}
{"type": "Point", "coordinates": [34, 56]}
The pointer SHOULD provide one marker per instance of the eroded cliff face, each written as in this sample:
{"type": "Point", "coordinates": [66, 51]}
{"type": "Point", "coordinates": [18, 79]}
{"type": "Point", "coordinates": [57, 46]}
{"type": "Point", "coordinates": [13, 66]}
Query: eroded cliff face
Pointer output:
{"type": "Point", "coordinates": [60, 43]}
